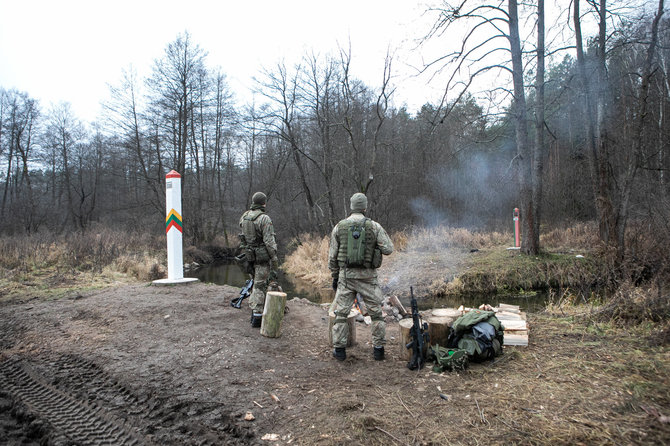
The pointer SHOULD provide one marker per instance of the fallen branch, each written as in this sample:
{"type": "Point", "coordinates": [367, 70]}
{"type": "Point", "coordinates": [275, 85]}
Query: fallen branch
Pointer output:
{"type": "Point", "coordinates": [481, 413]}
{"type": "Point", "coordinates": [389, 434]}
{"type": "Point", "coordinates": [403, 405]}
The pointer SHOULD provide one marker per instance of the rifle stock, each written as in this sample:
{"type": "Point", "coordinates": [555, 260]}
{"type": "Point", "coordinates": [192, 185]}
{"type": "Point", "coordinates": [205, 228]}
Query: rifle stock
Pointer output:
{"type": "Point", "coordinates": [244, 293]}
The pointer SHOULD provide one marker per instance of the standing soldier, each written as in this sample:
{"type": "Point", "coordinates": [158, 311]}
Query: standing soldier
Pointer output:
{"type": "Point", "coordinates": [356, 247]}
{"type": "Point", "coordinates": [260, 247]}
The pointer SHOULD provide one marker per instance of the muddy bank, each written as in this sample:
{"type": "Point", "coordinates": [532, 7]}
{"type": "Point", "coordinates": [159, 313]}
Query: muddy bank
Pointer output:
{"type": "Point", "coordinates": [177, 365]}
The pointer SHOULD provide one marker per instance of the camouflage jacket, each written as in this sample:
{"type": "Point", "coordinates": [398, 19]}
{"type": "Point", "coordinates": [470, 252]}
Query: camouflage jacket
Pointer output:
{"type": "Point", "coordinates": [384, 244]}
{"type": "Point", "coordinates": [265, 233]}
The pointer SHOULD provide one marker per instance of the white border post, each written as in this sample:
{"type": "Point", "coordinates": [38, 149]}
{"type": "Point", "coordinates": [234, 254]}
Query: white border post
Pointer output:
{"type": "Point", "coordinates": [173, 231]}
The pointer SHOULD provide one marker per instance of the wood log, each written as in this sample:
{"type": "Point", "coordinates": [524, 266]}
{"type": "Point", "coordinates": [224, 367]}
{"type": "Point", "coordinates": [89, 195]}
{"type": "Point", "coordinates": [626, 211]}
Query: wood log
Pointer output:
{"type": "Point", "coordinates": [438, 329]}
{"type": "Point", "coordinates": [505, 315]}
{"type": "Point", "coordinates": [451, 312]}
{"type": "Point", "coordinates": [273, 314]}
{"type": "Point", "coordinates": [351, 325]}
{"type": "Point", "coordinates": [509, 308]}
{"type": "Point", "coordinates": [405, 338]}
{"type": "Point", "coordinates": [512, 325]}
{"type": "Point", "coordinates": [393, 300]}
{"type": "Point", "coordinates": [520, 340]}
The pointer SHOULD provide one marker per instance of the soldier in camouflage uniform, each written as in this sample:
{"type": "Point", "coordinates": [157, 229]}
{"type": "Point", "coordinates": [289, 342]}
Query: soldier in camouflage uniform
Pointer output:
{"type": "Point", "coordinates": [354, 273]}
{"type": "Point", "coordinates": [258, 240]}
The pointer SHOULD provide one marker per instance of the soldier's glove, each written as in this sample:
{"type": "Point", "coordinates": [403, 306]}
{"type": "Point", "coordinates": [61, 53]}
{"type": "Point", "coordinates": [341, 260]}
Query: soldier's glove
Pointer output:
{"type": "Point", "coordinates": [335, 280]}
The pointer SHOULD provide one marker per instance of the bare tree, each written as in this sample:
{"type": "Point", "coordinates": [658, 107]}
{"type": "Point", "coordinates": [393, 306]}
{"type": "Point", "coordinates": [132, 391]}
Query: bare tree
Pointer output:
{"type": "Point", "coordinates": [479, 54]}
{"type": "Point", "coordinates": [124, 114]}
{"type": "Point", "coordinates": [174, 85]}
{"type": "Point", "coordinates": [65, 134]}
{"type": "Point", "coordinates": [284, 121]}
{"type": "Point", "coordinates": [612, 181]}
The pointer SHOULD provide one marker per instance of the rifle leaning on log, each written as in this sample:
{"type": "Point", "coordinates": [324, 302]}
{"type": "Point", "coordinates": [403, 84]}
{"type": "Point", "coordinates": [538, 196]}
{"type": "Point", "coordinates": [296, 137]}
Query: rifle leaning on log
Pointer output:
{"type": "Point", "coordinates": [244, 293]}
{"type": "Point", "coordinates": [419, 335]}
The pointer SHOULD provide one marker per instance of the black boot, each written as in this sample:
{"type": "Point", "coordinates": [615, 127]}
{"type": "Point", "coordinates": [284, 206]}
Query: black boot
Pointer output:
{"type": "Point", "coordinates": [378, 353]}
{"type": "Point", "coordinates": [256, 319]}
{"type": "Point", "coordinates": [340, 353]}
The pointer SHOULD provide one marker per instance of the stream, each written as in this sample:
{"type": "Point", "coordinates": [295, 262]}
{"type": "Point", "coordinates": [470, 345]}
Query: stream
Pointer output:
{"type": "Point", "coordinates": [231, 274]}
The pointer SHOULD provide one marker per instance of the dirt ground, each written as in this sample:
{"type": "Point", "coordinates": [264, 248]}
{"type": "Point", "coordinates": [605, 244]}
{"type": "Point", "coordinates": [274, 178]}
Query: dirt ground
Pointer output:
{"type": "Point", "coordinates": [139, 364]}
{"type": "Point", "coordinates": [177, 365]}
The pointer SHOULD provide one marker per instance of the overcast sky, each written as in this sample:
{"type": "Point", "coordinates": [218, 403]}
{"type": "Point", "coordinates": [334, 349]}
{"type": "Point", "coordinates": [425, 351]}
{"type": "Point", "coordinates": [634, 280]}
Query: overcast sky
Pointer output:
{"type": "Point", "coordinates": [70, 50]}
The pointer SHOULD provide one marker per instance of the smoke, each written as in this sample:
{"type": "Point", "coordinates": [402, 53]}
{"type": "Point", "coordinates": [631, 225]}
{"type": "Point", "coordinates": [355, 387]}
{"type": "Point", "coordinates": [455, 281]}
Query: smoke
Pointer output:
{"type": "Point", "coordinates": [475, 191]}
{"type": "Point", "coordinates": [427, 213]}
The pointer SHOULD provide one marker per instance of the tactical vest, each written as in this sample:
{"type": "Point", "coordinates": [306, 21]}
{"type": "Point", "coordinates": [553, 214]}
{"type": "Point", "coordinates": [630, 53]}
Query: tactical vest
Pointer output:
{"type": "Point", "coordinates": [248, 228]}
{"type": "Point", "coordinates": [357, 244]}
{"type": "Point", "coordinates": [255, 250]}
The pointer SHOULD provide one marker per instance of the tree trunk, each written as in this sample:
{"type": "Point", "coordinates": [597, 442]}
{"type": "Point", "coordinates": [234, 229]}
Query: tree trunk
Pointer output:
{"type": "Point", "coordinates": [529, 243]}
{"type": "Point", "coordinates": [627, 187]}
{"type": "Point", "coordinates": [538, 152]}
{"type": "Point", "coordinates": [595, 128]}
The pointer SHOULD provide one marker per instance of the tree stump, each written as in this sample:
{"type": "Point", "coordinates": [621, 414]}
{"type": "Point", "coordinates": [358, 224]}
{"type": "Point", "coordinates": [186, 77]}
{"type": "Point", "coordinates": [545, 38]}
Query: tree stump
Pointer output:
{"type": "Point", "coordinates": [438, 329]}
{"type": "Point", "coordinates": [273, 314]}
{"type": "Point", "coordinates": [351, 326]}
{"type": "Point", "coordinates": [405, 338]}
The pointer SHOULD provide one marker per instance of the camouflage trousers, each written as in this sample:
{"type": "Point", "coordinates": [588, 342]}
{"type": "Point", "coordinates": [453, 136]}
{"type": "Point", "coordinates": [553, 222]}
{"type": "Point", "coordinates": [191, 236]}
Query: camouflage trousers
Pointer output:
{"type": "Point", "coordinates": [344, 299]}
{"type": "Point", "coordinates": [257, 298]}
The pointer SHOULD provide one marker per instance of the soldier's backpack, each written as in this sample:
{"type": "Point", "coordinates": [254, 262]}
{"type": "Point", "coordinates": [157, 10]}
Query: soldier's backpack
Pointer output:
{"type": "Point", "coordinates": [356, 238]}
{"type": "Point", "coordinates": [479, 333]}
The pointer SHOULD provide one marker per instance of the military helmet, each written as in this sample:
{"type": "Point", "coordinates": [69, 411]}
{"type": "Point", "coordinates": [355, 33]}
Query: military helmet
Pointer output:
{"type": "Point", "coordinates": [259, 198]}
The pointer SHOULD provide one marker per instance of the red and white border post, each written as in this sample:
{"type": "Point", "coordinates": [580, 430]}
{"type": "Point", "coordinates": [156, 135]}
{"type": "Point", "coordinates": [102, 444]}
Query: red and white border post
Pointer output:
{"type": "Point", "coordinates": [173, 230]}
{"type": "Point", "coordinates": [517, 229]}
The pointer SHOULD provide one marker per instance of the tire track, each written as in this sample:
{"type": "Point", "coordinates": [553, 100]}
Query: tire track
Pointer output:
{"type": "Point", "coordinates": [77, 420]}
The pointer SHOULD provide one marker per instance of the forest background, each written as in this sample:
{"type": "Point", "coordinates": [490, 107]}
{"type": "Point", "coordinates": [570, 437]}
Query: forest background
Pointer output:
{"type": "Point", "coordinates": [585, 139]}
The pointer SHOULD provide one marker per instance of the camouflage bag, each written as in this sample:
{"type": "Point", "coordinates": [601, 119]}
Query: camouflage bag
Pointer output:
{"type": "Point", "coordinates": [479, 333]}
{"type": "Point", "coordinates": [449, 359]}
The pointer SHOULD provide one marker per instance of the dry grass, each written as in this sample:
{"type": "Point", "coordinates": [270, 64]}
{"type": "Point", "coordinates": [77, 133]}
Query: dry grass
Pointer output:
{"type": "Point", "coordinates": [628, 306]}
{"type": "Point", "coordinates": [144, 267]}
{"type": "Point", "coordinates": [309, 260]}
{"type": "Point", "coordinates": [442, 237]}
{"type": "Point", "coordinates": [92, 250]}
{"type": "Point", "coordinates": [580, 237]}
{"type": "Point", "coordinates": [43, 263]}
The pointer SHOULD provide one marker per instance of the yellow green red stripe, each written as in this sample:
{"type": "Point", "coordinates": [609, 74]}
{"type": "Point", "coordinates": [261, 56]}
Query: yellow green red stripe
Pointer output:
{"type": "Point", "coordinates": [173, 219]}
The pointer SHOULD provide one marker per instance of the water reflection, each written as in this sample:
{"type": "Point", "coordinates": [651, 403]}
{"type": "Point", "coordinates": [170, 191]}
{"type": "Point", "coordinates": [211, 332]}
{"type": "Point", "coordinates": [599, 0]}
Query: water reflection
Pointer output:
{"type": "Point", "coordinates": [231, 274]}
